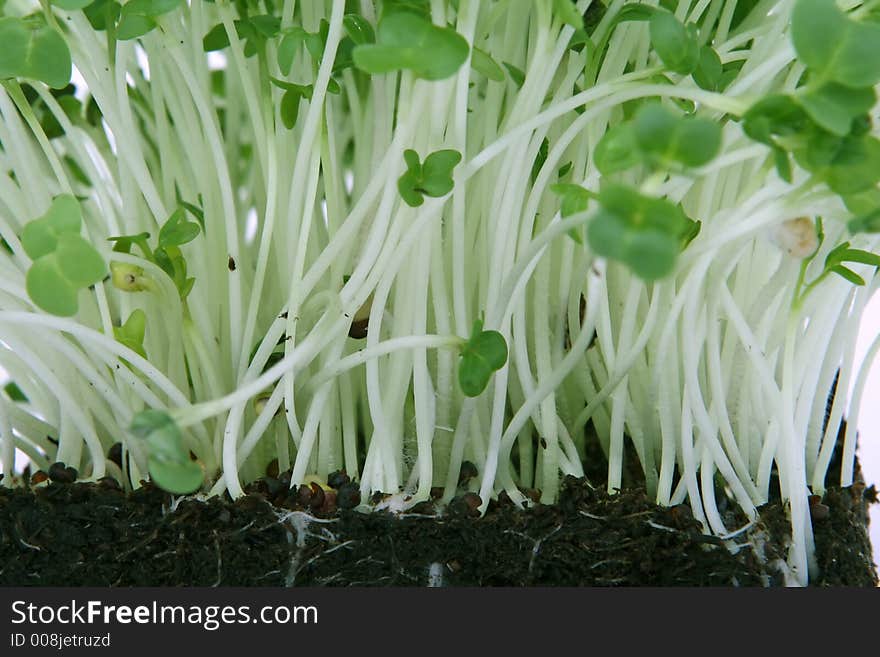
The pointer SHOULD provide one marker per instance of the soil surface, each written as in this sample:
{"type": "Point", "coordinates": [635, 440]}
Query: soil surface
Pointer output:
{"type": "Point", "coordinates": [82, 534]}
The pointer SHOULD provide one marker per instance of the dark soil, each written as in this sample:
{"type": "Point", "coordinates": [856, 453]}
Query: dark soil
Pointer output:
{"type": "Point", "coordinates": [77, 534]}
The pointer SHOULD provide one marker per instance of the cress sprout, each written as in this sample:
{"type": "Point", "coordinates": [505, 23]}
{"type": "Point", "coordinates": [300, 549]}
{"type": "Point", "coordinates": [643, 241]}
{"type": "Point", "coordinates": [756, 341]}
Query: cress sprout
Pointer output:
{"type": "Point", "coordinates": [393, 236]}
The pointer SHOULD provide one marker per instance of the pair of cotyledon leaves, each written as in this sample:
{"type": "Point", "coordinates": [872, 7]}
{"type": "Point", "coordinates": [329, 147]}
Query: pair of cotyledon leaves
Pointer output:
{"type": "Point", "coordinates": [825, 123]}
{"type": "Point", "coordinates": [433, 177]}
{"type": "Point", "coordinates": [406, 40]}
{"type": "Point", "coordinates": [169, 462]}
{"type": "Point", "coordinates": [64, 262]}
{"type": "Point", "coordinates": [661, 137]}
{"type": "Point", "coordinates": [645, 233]}
{"type": "Point", "coordinates": [677, 45]}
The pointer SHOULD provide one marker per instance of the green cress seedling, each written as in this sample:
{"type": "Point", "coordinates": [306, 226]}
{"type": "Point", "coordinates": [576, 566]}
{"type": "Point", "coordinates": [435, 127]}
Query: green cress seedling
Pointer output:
{"type": "Point", "coordinates": [132, 332]}
{"type": "Point", "coordinates": [627, 192]}
{"type": "Point", "coordinates": [34, 51]}
{"type": "Point", "coordinates": [170, 465]}
{"type": "Point", "coordinates": [433, 177]}
{"type": "Point", "coordinates": [64, 262]}
{"type": "Point", "coordinates": [482, 355]}
{"type": "Point", "coordinates": [407, 41]}
{"type": "Point", "coordinates": [173, 234]}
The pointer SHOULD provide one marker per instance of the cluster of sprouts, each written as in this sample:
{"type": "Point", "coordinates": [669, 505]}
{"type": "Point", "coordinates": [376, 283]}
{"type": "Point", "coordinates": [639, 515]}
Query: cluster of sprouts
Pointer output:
{"type": "Point", "coordinates": [392, 236]}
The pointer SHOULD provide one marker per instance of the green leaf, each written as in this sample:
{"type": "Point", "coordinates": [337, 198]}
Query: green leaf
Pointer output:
{"type": "Point", "coordinates": [483, 63]}
{"type": "Point", "coordinates": [783, 163]}
{"type": "Point", "coordinates": [358, 29]}
{"type": "Point", "coordinates": [775, 115]}
{"type": "Point", "coordinates": [132, 26]}
{"type": "Point", "coordinates": [101, 13]}
{"type": "Point", "coordinates": [617, 150]}
{"type": "Point", "coordinates": [151, 7]}
{"type": "Point", "coordinates": [440, 164]}
{"type": "Point", "coordinates": [848, 274]}
{"type": "Point", "coordinates": [33, 51]}
{"type": "Point", "coordinates": [674, 43]}
{"type": "Point", "coordinates": [483, 354]}
{"type": "Point", "coordinates": [833, 46]}
{"type": "Point", "coordinates": [574, 198]}
{"type": "Point", "coordinates": [290, 108]}
{"type": "Point", "coordinates": [169, 462]}
{"type": "Point", "coordinates": [433, 178]}
{"type": "Point", "coordinates": [266, 24]}
{"type": "Point", "coordinates": [15, 393]}
{"type": "Point", "coordinates": [690, 232]}
{"type": "Point", "coordinates": [856, 166]}
{"type": "Point", "coordinates": [861, 257]}
{"type": "Point", "coordinates": [49, 289]}
{"type": "Point", "coordinates": [651, 254]}
{"type": "Point", "coordinates": [176, 477]}
{"type": "Point", "coordinates": [64, 214]}
{"type": "Point", "coordinates": [643, 232]}
{"type": "Point", "coordinates": [868, 222]}
{"type": "Point", "coordinates": [691, 141]}
{"type": "Point", "coordinates": [38, 239]}
{"type": "Point", "coordinates": [79, 261]}
{"type": "Point", "coordinates": [408, 41]}
{"type": "Point", "coordinates": [40, 236]}
{"type": "Point", "coordinates": [125, 242]}
{"type": "Point", "coordinates": [635, 12]}
{"type": "Point", "coordinates": [71, 5]}
{"type": "Point", "coordinates": [160, 429]}
{"type": "Point", "coordinates": [413, 164]}
{"type": "Point", "coordinates": [177, 230]}
{"type": "Point", "coordinates": [709, 70]}
{"type": "Point", "coordinates": [217, 39]}
{"type": "Point", "coordinates": [865, 202]}
{"type": "Point", "coordinates": [406, 185]}
{"type": "Point", "coordinates": [834, 107]}
{"type": "Point", "coordinates": [517, 75]}
{"type": "Point", "coordinates": [567, 11]}
{"type": "Point", "coordinates": [132, 332]}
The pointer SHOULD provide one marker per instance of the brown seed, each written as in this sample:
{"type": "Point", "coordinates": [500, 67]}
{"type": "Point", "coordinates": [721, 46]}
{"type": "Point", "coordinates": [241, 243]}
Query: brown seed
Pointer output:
{"type": "Point", "coordinates": [348, 496]}
{"type": "Point", "coordinates": [231, 263]}
{"type": "Point", "coordinates": [60, 473]}
{"type": "Point", "coordinates": [109, 483]}
{"type": "Point", "coordinates": [39, 477]}
{"type": "Point", "coordinates": [337, 479]}
{"type": "Point", "coordinates": [467, 472]}
{"type": "Point", "coordinates": [818, 511]}
{"type": "Point", "coordinates": [425, 508]}
{"type": "Point", "coordinates": [681, 515]}
{"type": "Point", "coordinates": [115, 454]}
{"type": "Point", "coordinates": [318, 496]}
{"type": "Point", "coordinates": [358, 328]}
{"type": "Point", "coordinates": [533, 494]}
{"type": "Point", "coordinates": [272, 469]}
{"type": "Point", "coordinates": [436, 492]}
{"type": "Point", "coordinates": [467, 505]}
{"type": "Point", "coordinates": [328, 507]}
{"type": "Point", "coordinates": [303, 495]}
